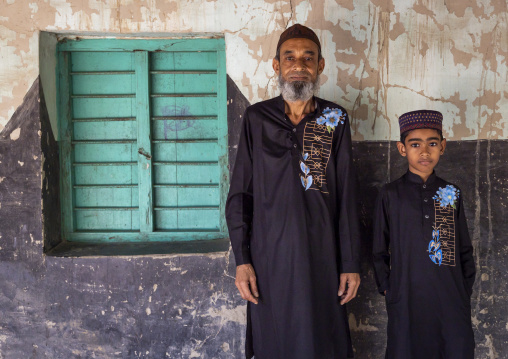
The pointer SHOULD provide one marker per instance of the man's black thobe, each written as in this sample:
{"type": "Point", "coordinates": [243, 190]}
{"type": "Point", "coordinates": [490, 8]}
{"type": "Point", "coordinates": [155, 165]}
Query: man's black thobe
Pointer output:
{"type": "Point", "coordinates": [291, 213]}
{"type": "Point", "coordinates": [424, 260]}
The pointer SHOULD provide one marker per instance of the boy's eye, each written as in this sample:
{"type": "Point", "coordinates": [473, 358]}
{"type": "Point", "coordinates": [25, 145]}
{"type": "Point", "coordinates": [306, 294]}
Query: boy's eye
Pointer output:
{"type": "Point", "coordinates": [432, 144]}
{"type": "Point", "coordinates": [415, 145]}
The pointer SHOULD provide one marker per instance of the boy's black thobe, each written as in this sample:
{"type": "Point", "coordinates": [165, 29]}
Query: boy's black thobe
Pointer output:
{"type": "Point", "coordinates": [299, 234]}
{"type": "Point", "coordinates": [427, 299]}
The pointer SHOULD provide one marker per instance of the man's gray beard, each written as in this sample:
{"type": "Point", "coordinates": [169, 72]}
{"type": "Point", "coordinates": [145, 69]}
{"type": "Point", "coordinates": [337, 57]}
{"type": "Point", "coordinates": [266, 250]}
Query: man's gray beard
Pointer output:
{"type": "Point", "coordinates": [298, 90]}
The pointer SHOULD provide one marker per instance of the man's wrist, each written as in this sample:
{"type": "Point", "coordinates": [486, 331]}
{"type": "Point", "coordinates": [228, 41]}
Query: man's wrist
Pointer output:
{"type": "Point", "coordinates": [243, 258]}
{"type": "Point", "coordinates": [350, 267]}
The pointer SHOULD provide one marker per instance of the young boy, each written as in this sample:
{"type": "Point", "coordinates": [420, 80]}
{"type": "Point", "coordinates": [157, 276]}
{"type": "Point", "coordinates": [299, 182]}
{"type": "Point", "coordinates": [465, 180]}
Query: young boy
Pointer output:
{"type": "Point", "coordinates": [423, 256]}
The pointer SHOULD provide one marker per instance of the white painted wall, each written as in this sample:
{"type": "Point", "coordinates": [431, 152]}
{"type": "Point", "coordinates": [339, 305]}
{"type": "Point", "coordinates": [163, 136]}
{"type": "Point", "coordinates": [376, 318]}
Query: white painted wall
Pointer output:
{"type": "Point", "coordinates": [383, 57]}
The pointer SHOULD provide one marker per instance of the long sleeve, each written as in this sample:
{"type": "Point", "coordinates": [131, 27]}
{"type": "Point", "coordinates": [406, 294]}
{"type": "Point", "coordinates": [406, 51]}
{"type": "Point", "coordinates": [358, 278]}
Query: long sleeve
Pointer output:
{"type": "Point", "coordinates": [381, 243]}
{"type": "Point", "coordinates": [348, 229]}
{"type": "Point", "coordinates": [239, 206]}
{"type": "Point", "coordinates": [466, 250]}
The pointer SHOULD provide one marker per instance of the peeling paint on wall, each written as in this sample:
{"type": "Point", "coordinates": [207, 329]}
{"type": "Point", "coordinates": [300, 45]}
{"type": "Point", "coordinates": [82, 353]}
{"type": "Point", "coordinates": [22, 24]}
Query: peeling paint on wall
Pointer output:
{"type": "Point", "coordinates": [384, 57]}
{"type": "Point", "coordinates": [15, 134]}
{"type": "Point", "coordinates": [187, 305]}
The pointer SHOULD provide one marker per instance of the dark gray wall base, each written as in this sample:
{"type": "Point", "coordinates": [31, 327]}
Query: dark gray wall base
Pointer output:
{"type": "Point", "coordinates": [186, 305]}
{"type": "Point", "coordinates": [76, 249]}
{"type": "Point", "coordinates": [20, 186]}
{"type": "Point", "coordinates": [51, 213]}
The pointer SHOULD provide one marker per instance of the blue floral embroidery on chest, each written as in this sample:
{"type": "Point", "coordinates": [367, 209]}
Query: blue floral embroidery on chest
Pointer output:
{"type": "Point", "coordinates": [317, 145]}
{"type": "Point", "coordinates": [442, 246]}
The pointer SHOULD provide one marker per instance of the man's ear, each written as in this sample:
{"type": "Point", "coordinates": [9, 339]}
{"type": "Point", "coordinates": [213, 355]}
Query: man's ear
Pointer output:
{"type": "Point", "coordinates": [443, 145]}
{"type": "Point", "coordinates": [276, 66]}
{"type": "Point", "coordinates": [321, 65]}
{"type": "Point", "coordinates": [402, 148]}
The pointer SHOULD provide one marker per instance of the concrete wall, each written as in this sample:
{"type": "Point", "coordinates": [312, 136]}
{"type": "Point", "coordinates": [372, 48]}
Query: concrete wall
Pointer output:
{"type": "Point", "coordinates": [383, 58]}
{"type": "Point", "coordinates": [186, 306]}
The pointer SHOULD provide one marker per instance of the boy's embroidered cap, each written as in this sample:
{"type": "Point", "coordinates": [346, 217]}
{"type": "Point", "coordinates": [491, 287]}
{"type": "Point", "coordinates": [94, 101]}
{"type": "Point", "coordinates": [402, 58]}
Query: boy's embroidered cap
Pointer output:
{"type": "Point", "coordinates": [300, 32]}
{"type": "Point", "coordinates": [421, 119]}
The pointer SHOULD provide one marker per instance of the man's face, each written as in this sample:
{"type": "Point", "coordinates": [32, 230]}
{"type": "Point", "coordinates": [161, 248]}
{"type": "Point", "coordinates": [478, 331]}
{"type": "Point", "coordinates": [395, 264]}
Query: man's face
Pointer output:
{"type": "Point", "coordinates": [423, 148]}
{"type": "Point", "coordinates": [299, 68]}
{"type": "Point", "coordinates": [299, 61]}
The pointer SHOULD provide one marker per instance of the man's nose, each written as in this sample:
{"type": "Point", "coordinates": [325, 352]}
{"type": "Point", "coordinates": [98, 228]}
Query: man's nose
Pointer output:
{"type": "Point", "coordinates": [299, 65]}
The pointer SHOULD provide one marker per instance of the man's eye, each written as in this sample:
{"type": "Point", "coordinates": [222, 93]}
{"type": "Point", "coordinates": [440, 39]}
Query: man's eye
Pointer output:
{"type": "Point", "coordinates": [289, 58]}
{"type": "Point", "coordinates": [308, 59]}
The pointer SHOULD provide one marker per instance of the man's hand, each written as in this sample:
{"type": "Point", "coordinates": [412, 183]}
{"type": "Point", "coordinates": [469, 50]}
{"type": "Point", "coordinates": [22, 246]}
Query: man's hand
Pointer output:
{"type": "Point", "coordinates": [246, 283]}
{"type": "Point", "coordinates": [352, 280]}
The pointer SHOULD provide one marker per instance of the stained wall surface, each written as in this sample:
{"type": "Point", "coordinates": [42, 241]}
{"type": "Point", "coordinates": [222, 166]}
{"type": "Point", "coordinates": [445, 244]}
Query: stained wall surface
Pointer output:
{"type": "Point", "coordinates": [384, 57]}
{"type": "Point", "coordinates": [186, 306]}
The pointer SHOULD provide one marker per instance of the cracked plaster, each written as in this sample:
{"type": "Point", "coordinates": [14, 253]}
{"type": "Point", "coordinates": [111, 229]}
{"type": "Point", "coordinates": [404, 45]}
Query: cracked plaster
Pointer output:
{"type": "Point", "coordinates": [176, 306]}
{"type": "Point", "coordinates": [384, 57]}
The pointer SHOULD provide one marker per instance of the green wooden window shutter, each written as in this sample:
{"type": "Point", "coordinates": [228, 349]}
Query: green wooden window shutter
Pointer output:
{"type": "Point", "coordinates": [143, 129]}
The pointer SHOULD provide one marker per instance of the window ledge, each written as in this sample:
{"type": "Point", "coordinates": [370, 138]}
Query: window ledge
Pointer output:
{"type": "Point", "coordinates": [81, 249]}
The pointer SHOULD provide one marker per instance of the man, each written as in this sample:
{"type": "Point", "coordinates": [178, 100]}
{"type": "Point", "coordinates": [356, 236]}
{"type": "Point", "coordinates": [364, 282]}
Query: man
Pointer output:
{"type": "Point", "coordinates": [291, 213]}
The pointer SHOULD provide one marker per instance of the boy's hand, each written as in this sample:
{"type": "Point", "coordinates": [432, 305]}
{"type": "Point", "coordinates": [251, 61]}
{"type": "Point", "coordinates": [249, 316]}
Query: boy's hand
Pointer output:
{"type": "Point", "coordinates": [352, 280]}
{"type": "Point", "coordinates": [246, 283]}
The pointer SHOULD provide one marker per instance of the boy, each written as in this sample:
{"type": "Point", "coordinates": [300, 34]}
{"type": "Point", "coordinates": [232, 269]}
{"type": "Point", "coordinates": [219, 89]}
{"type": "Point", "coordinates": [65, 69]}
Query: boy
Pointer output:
{"type": "Point", "coordinates": [423, 256]}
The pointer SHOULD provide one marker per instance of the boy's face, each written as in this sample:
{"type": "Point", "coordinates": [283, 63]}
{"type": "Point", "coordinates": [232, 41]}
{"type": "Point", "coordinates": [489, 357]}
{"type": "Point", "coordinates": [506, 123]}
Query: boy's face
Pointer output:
{"type": "Point", "coordinates": [422, 147]}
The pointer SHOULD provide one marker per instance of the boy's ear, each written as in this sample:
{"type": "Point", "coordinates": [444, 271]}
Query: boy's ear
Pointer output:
{"type": "Point", "coordinates": [402, 148]}
{"type": "Point", "coordinates": [443, 145]}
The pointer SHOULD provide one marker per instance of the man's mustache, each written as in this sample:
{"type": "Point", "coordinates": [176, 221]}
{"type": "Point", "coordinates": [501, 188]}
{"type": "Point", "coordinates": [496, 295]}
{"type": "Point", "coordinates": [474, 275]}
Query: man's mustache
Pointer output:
{"type": "Point", "coordinates": [299, 74]}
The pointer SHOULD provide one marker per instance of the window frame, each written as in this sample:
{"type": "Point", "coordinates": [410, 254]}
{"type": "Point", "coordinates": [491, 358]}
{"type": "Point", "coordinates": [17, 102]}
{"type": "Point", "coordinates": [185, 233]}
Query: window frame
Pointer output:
{"type": "Point", "coordinates": [141, 49]}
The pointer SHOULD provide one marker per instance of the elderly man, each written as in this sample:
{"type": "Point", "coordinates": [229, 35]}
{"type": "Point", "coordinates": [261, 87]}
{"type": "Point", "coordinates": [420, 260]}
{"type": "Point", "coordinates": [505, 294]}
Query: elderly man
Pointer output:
{"type": "Point", "coordinates": [291, 213]}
